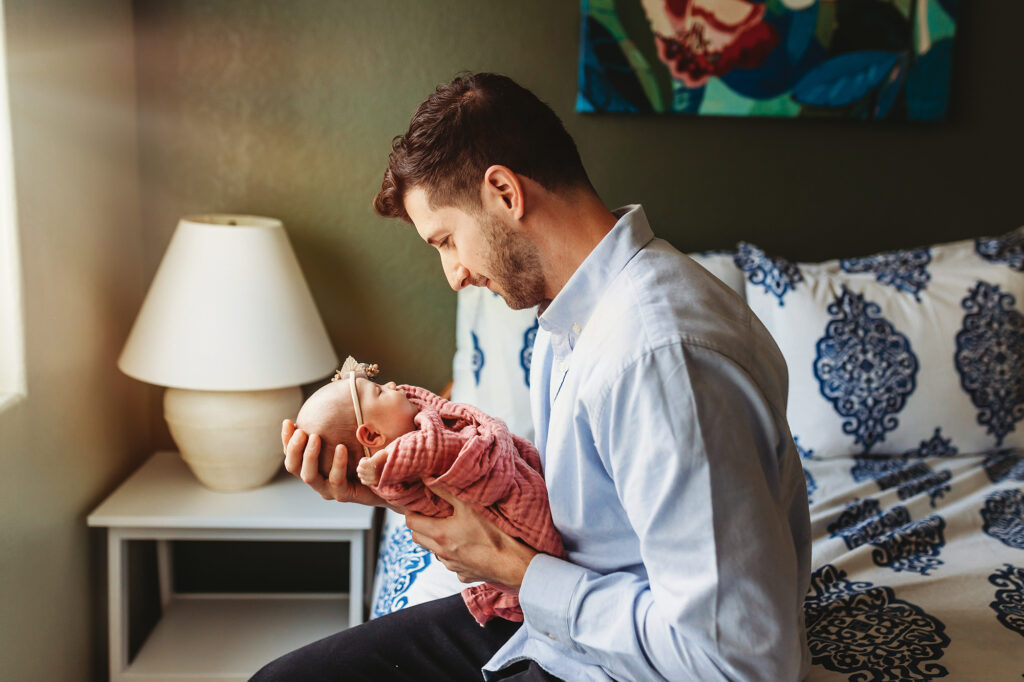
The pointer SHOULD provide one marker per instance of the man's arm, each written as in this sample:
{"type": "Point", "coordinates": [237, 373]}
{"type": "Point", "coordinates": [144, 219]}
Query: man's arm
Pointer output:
{"type": "Point", "coordinates": [693, 449]}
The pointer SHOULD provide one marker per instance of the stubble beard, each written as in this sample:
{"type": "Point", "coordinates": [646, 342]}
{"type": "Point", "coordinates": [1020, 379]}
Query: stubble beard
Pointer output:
{"type": "Point", "coordinates": [514, 264]}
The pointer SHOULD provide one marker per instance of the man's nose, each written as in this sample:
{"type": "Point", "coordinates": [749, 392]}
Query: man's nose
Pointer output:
{"type": "Point", "coordinates": [458, 277]}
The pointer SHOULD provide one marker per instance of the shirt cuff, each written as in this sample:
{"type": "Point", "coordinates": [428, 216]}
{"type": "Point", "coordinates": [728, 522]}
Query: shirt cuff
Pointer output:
{"type": "Point", "coordinates": [546, 595]}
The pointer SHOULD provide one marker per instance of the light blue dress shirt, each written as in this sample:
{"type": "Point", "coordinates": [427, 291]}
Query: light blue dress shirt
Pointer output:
{"type": "Point", "coordinates": [659, 402]}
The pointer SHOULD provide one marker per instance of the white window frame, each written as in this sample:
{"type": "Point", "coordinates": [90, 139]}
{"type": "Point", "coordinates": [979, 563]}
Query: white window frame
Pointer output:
{"type": "Point", "coordinates": [12, 332]}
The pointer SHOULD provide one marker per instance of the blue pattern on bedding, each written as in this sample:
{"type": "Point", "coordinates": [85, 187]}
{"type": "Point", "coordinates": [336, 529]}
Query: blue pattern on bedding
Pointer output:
{"type": "Point", "coordinates": [776, 275]}
{"type": "Point", "coordinates": [905, 270]}
{"type": "Point", "coordinates": [863, 630]}
{"type": "Point", "coordinates": [1007, 249]}
{"type": "Point", "coordinates": [990, 358]}
{"type": "Point", "coordinates": [1003, 517]}
{"type": "Point", "coordinates": [899, 543]}
{"type": "Point", "coordinates": [477, 361]}
{"type": "Point", "coordinates": [526, 354]}
{"type": "Point", "coordinates": [399, 563]}
{"type": "Point", "coordinates": [935, 446]}
{"type": "Point", "coordinates": [864, 367]}
{"type": "Point", "coordinates": [1002, 465]}
{"type": "Point", "coordinates": [1009, 601]}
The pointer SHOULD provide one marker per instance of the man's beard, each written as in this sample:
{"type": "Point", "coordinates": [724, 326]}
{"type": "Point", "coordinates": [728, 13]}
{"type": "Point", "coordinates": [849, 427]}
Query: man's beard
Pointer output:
{"type": "Point", "coordinates": [514, 264]}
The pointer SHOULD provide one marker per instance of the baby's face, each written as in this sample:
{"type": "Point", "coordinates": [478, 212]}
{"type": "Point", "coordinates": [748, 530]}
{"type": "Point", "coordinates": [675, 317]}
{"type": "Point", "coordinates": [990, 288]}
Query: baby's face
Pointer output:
{"type": "Point", "coordinates": [386, 408]}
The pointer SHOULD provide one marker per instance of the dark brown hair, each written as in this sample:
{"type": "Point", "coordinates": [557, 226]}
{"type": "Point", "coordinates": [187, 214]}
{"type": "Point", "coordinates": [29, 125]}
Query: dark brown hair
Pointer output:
{"type": "Point", "coordinates": [464, 127]}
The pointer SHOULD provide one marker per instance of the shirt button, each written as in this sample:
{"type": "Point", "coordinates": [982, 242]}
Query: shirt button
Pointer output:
{"type": "Point", "coordinates": [563, 365]}
{"type": "Point", "coordinates": [575, 329]}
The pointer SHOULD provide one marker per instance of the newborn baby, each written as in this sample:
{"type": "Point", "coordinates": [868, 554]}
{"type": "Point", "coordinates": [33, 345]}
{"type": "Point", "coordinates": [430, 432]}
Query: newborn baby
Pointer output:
{"type": "Point", "coordinates": [410, 437]}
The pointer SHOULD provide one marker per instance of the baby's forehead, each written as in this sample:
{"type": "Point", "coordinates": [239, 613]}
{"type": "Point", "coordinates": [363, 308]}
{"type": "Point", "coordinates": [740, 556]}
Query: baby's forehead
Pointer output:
{"type": "Point", "coordinates": [326, 400]}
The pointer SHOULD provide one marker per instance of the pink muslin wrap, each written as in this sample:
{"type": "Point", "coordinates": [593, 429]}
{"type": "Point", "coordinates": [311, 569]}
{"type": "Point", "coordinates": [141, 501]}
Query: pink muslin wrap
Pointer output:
{"type": "Point", "coordinates": [481, 462]}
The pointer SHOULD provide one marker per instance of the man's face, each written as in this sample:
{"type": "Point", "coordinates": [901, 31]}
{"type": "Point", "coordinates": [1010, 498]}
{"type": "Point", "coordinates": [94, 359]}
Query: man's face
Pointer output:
{"type": "Point", "coordinates": [480, 250]}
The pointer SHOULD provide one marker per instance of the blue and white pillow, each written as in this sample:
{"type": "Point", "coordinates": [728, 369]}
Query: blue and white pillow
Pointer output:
{"type": "Point", "coordinates": [722, 264]}
{"type": "Point", "coordinates": [493, 351]}
{"type": "Point", "coordinates": [884, 350]}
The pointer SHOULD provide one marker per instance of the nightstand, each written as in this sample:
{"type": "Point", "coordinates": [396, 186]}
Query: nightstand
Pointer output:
{"type": "Point", "coordinates": [222, 636]}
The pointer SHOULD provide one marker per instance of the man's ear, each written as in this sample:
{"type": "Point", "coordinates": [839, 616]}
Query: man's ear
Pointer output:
{"type": "Point", "coordinates": [503, 191]}
{"type": "Point", "coordinates": [369, 436]}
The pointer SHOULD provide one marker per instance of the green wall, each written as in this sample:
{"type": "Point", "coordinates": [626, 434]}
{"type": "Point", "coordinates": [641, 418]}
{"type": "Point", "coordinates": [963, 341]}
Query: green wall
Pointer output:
{"type": "Point", "coordinates": [287, 109]}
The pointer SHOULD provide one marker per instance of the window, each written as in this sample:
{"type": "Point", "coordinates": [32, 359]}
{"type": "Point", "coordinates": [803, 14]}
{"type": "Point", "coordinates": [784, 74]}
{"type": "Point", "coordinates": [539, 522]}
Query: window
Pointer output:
{"type": "Point", "coordinates": [12, 351]}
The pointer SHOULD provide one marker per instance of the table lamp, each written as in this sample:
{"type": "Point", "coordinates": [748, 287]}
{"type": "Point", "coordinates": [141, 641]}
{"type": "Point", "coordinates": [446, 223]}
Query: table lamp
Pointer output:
{"type": "Point", "coordinates": [230, 327]}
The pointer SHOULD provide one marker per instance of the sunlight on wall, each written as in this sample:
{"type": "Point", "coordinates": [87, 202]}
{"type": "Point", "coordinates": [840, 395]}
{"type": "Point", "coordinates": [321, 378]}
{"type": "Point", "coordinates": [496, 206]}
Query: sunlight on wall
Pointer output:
{"type": "Point", "coordinates": [12, 352]}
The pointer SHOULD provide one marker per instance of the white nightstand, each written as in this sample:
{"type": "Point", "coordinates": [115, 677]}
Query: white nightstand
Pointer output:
{"type": "Point", "coordinates": [222, 636]}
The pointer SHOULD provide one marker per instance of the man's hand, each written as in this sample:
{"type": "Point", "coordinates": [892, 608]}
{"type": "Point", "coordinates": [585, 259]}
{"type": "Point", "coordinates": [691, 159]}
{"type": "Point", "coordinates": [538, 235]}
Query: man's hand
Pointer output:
{"type": "Point", "coordinates": [468, 544]}
{"type": "Point", "coordinates": [302, 459]}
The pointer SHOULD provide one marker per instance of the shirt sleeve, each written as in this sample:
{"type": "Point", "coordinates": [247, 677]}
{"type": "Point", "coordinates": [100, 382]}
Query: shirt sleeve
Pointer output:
{"type": "Point", "coordinates": [698, 459]}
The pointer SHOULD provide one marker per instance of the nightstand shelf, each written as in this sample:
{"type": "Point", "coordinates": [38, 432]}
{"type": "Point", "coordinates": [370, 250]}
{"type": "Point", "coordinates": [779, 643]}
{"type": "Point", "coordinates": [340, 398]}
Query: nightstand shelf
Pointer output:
{"type": "Point", "coordinates": [222, 636]}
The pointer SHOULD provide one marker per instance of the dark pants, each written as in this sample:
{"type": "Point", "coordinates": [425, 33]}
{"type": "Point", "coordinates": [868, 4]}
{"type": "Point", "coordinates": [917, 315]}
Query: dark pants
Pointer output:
{"type": "Point", "coordinates": [438, 640]}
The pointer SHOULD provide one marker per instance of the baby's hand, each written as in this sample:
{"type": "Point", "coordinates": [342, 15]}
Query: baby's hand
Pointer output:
{"type": "Point", "coordinates": [369, 468]}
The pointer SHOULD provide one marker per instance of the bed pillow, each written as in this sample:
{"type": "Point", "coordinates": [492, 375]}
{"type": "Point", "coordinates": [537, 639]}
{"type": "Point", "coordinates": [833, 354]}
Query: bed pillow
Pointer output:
{"type": "Point", "coordinates": [900, 352]}
{"type": "Point", "coordinates": [722, 264]}
{"type": "Point", "coordinates": [493, 349]}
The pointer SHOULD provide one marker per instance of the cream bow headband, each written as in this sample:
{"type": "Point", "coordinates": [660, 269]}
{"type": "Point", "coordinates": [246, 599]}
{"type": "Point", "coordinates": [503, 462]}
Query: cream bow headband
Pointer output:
{"type": "Point", "coordinates": [350, 370]}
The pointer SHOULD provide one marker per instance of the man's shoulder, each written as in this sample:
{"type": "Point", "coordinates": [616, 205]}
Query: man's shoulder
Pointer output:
{"type": "Point", "coordinates": [663, 296]}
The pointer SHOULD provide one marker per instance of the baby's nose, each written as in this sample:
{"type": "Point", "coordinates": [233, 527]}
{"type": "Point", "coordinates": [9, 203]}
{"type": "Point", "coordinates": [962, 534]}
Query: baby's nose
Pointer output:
{"type": "Point", "coordinates": [390, 385]}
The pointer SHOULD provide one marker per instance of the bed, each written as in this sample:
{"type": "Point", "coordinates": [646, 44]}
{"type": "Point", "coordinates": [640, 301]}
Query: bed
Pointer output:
{"type": "Point", "coordinates": [906, 397]}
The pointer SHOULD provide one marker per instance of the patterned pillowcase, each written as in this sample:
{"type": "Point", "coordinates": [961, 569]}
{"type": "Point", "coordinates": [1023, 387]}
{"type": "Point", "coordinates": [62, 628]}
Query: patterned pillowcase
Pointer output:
{"type": "Point", "coordinates": [722, 264]}
{"type": "Point", "coordinates": [491, 370]}
{"type": "Point", "coordinates": [406, 573]}
{"type": "Point", "coordinates": [902, 352]}
{"type": "Point", "coordinates": [493, 349]}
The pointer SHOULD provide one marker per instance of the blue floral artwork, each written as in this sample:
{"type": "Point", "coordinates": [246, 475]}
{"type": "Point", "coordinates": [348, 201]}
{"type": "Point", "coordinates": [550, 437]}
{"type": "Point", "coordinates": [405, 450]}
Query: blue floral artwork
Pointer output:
{"type": "Point", "coordinates": [477, 361]}
{"type": "Point", "coordinates": [1004, 464]}
{"type": "Point", "coordinates": [1003, 517]}
{"type": "Point", "coordinates": [862, 630]}
{"type": "Point", "coordinates": [400, 562]}
{"type": "Point", "coordinates": [1009, 598]}
{"type": "Point", "coordinates": [990, 358]}
{"type": "Point", "coordinates": [1008, 249]}
{"type": "Point", "coordinates": [898, 543]}
{"type": "Point", "coordinates": [863, 59]}
{"type": "Point", "coordinates": [776, 275]}
{"type": "Point", "coordinates": [904, 270]}
{"type": "Point", "coordinates": [864, 367]}
{"type": "Point", "coordinates": [526, 354]}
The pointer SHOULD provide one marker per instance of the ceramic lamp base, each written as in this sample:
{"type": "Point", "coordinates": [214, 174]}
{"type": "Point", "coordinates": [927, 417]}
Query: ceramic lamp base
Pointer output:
{"type": "Point", "coordinates": [230, 439]}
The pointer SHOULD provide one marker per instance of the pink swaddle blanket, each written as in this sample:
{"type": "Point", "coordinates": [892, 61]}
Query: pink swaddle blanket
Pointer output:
{"type": "Point", "coordinates": [481, 462]}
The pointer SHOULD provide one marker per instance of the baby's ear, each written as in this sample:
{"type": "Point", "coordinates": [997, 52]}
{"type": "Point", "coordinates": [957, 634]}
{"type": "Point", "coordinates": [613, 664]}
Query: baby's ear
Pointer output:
{"type": "Point", "coordinates": [369, 436]}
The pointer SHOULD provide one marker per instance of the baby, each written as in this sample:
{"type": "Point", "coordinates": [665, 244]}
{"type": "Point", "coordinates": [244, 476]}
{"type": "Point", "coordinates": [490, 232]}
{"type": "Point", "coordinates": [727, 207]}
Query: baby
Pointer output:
{"type": "Point", "coordinates": [409, 438]}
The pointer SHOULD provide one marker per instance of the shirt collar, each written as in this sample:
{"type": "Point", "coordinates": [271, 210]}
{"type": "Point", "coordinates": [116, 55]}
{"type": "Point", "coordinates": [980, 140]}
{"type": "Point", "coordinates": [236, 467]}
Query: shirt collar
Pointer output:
{"type": "Point", "coordinates": [572, 306]}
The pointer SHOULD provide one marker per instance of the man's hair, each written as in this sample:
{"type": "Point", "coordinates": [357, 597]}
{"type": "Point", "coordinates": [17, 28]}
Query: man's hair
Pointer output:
{"type": "Point", "coordinates": [468, 125]}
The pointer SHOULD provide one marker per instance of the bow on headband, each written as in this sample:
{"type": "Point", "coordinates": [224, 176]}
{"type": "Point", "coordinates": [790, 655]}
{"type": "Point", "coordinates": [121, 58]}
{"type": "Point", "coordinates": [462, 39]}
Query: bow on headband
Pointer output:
{"type": "Point", "coordinates": [350, 370]}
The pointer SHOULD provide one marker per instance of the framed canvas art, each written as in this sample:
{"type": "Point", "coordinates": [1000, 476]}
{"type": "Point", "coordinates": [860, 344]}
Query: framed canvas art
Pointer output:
{"type": "Point", "coordinates": [863, 59]}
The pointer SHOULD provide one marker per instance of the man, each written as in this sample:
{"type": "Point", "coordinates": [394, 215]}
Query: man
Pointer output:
{"type": "Point", "coordinates": [659, 406]}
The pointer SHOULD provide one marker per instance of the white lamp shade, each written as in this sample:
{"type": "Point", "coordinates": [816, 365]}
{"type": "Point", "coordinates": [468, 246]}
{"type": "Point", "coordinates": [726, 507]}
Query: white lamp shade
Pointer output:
{"type": "Point", "coordinates": [228, 310]}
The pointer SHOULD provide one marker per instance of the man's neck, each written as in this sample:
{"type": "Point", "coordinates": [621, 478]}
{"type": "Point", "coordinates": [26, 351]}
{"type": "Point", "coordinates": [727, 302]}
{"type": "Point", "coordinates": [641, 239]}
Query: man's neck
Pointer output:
{"type": "Point", "coordinates": [569, 229]}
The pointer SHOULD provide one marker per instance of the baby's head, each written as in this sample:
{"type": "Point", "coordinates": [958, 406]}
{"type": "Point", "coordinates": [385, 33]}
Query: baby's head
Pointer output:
{"type": "Point", "coordinates": [329, 413]}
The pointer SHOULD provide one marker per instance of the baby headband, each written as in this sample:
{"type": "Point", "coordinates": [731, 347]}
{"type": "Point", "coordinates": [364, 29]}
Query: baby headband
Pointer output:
{"type": "Point", "coordinates": [350, 370]}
